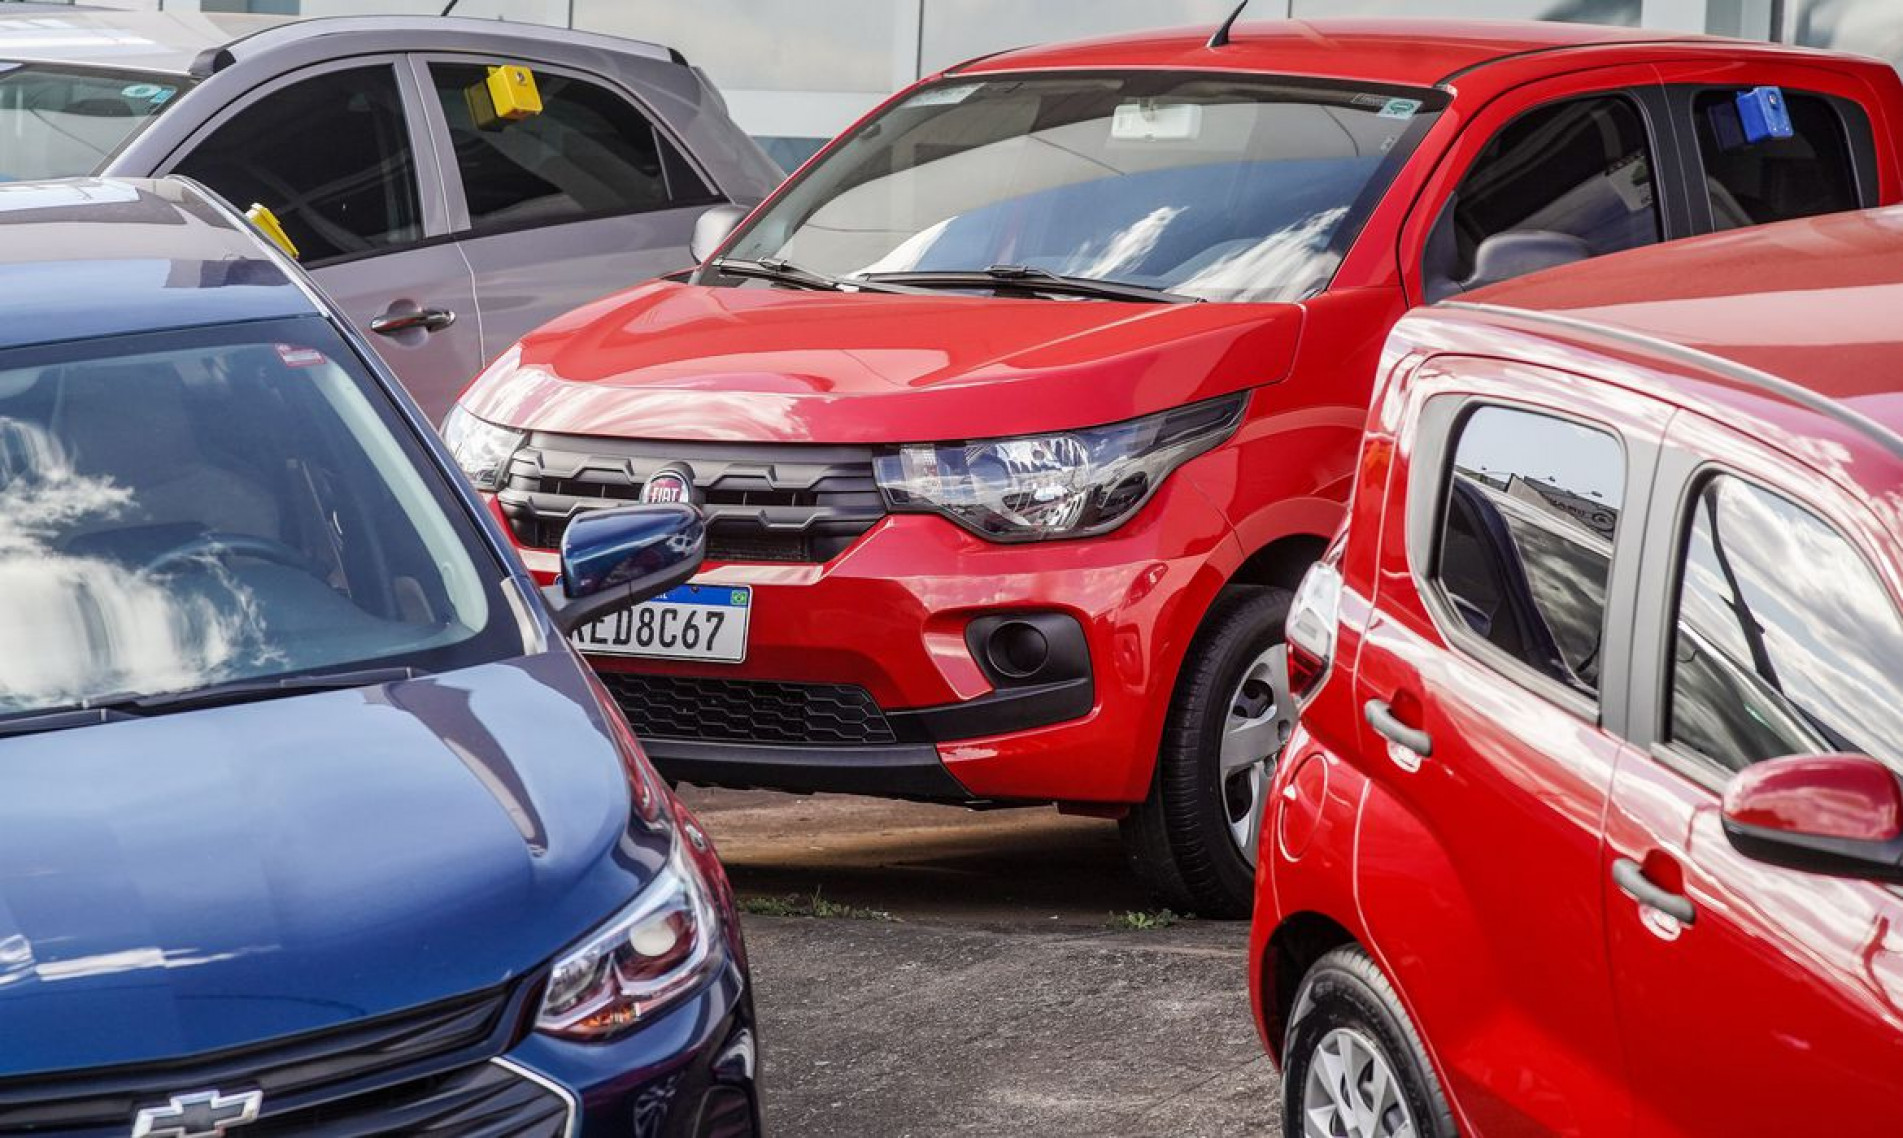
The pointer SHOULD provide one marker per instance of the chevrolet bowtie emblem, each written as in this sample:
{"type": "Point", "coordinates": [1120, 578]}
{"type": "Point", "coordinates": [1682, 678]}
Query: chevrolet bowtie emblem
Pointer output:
{"type": "Point", "coordinates": [200, 1114]}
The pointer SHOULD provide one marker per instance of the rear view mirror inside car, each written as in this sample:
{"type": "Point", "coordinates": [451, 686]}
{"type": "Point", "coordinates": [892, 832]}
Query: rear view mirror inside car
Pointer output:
{"type": "Point", "coordinates": [507, 94]}
{"type": "Point", "coordinates": [1148, 120]}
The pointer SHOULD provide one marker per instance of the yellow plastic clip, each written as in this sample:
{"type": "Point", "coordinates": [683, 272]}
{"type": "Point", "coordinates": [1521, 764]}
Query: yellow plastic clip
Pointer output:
{"type": "Point", "coordinates": [507, 95]}
{"type": "Point", "coordinates": [269, 225]}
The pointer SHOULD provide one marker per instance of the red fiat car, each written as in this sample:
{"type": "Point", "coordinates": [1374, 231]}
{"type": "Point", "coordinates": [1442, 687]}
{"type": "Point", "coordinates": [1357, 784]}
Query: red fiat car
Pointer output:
{"type": "Point", "coordinates": [1592, 823]}
{"type": "Point", "coordinates": [1018, 413]}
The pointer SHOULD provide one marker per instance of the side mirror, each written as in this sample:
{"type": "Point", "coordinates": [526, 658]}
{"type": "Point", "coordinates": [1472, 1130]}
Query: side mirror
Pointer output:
{"type": "Point", "coordinates": [615, 559]}
{"type": "Point", "coordinates": [1840, 815]}
{"type": "Point", "coordinates": [1518, 252]}
{"type": "Point", "coordinates": [712, 228]}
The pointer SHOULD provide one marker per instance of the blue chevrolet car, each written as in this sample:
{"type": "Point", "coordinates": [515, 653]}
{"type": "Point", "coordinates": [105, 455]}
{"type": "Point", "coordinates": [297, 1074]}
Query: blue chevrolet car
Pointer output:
{"type": "Point", "coordinates": [310, 820]}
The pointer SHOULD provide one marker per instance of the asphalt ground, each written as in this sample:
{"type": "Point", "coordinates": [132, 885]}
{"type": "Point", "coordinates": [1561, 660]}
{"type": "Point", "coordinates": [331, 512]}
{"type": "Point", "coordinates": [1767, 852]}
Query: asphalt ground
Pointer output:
{"type": "Point", "coordinates": [952, 973]}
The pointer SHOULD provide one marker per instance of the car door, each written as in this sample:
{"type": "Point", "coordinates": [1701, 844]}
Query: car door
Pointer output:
{"type": "Point", "coordinates": [1755, 999]}
{"type": "Point", "coordinates": [336, 153]}
{"type": "Point", "coordinates": [588, 196]}
{"type": "Point", "coordinates": [1550, 172]}
{"type": "Point", "coordinates": [1502, 602]}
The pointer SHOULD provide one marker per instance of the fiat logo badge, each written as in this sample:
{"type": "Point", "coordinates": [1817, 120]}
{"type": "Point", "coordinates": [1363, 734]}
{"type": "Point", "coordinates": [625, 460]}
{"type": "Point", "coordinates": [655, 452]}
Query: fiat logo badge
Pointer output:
{"type": "Point", "coordinates": [672, 483]}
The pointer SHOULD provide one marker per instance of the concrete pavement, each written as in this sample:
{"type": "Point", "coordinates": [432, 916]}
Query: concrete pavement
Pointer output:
{"type": "Point", "coordinates": [999, 998]}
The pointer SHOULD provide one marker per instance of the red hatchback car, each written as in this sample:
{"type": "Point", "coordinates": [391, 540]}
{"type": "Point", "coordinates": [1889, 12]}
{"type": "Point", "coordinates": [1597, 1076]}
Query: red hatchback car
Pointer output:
{"type": "Point", "coordinates": [1020, 411]}
{"type": "Point", "coordinates": [1592, 822]}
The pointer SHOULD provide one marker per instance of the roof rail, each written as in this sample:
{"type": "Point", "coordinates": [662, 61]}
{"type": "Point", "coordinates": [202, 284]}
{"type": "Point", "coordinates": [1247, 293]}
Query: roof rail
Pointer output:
{"type": "Point", "coordinates": [213, 60]}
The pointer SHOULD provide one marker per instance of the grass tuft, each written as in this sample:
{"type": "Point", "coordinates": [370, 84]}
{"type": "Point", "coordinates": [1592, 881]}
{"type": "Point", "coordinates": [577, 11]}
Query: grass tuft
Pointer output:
{"type": "Point", "coordinates": [816, 906]}
{"type": "Point", "coordinates": [1134, 921]}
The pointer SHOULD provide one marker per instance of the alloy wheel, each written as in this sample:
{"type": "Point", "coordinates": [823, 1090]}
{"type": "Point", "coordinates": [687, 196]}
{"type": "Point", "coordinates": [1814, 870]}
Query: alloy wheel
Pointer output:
{"type": "Point", "coordinates": [1351, 1092]}
{"type": "Point", "coordinates": [1259, 722]}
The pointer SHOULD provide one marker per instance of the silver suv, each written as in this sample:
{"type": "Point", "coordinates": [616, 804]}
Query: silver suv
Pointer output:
{"type": "Point", "coordinates": [443, 226]}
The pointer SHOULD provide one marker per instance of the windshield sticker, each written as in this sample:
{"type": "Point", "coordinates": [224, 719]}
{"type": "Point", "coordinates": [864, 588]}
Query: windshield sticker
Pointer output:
{"type": "Point", "coordinates": [294, 356]}
{"type": "Point", "coordinates": [1399, 108]}
{"type": "Point", "coordinates": [150, 92]}
{"type": "Point", "coordinates": [942, 96]}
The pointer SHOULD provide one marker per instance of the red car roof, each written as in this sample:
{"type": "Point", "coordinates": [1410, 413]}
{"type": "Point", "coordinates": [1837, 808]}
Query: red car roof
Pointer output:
{"type": "Point", "coordinates": [1411, 52]}
{"type": "Point", "coordinates": [1814, 303]}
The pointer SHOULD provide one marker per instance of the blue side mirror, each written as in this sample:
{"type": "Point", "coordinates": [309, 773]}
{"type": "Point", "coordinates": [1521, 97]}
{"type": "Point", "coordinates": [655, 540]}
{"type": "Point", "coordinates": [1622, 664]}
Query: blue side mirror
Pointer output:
{"type": "Point", "coordinates": [615, 559]}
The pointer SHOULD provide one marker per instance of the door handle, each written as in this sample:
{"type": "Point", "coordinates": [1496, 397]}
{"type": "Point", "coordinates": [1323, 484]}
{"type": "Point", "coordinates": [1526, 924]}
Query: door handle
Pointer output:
{"type": "Point", "coordinates": [1632, 881]}
{"type": "Point", "coordinates": [428, 319]}
{"type": "Point", "coordinates": [1381, 717]}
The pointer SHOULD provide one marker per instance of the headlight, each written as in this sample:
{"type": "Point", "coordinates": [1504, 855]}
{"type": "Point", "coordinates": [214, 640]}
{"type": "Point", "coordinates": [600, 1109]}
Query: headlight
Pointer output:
{"type": "Point", "coordinates": [650, 954]}
{"type": "Point", "coordinates": [482, 449]}
{"type": "Point", "coordinates": [1040, 487]}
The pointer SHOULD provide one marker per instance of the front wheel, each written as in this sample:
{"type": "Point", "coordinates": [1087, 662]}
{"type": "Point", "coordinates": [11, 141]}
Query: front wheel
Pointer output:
{"type": "Point", "coordinates": [1193, 840]}
{"type": "Point", "coordinates": [1353, 1065]}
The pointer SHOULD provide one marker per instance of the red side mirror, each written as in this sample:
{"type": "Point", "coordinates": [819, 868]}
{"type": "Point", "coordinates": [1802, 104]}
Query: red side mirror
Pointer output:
{"type": "Point", "coordinates": [1832, 814]}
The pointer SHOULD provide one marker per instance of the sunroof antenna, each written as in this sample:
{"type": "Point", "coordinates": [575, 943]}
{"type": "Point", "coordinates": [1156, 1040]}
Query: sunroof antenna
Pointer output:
{"type": "Point", "coordinates": [1221, 38]}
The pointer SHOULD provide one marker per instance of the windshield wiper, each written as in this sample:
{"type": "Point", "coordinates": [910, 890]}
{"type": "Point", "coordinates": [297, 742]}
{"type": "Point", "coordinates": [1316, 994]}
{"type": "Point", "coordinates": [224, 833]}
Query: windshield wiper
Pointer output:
{"type": "Point", "coordinates": [781, 271]}
{"type": "Point", "coordinates": [59, 719]}
{"type": "Point", "coordinates": [251, 691]}
{"type": "Point", "coordinates": [1030, 279]}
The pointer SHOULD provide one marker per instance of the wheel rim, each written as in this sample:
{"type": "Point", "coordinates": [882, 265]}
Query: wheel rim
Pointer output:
{"type": "Point", "coordinates": [1351, 1092]}
{"type": "Point", "coordinates": [1257, 726]}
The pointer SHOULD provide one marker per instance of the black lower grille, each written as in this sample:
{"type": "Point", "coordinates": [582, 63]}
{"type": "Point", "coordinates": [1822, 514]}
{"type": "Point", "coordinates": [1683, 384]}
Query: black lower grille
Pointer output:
{"type": "Point", "coordinates": [386, 1050]}
{"type": "Point", "coordinates": [726, 1112]}
{"type": "Point", "coordinates": [764, 502]}
{"type": "Point", "coordinates": [749, 711]}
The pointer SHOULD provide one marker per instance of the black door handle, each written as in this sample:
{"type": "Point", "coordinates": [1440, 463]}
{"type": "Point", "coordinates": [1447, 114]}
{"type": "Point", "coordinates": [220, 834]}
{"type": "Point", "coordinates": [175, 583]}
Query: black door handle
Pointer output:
{"type": "Point", "coordinates": [1381, 718]}
{"type": "Point", "coordinates": [1632, 881]}
{"type": "Point", "coordinates": [428, 319]}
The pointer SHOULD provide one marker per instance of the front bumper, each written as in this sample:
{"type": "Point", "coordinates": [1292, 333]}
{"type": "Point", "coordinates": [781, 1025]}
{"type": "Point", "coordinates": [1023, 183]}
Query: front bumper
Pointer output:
{"type": "Point", "coordinates": [688, 1074]}
{"type": "Point", "coordinates": [879, 634]}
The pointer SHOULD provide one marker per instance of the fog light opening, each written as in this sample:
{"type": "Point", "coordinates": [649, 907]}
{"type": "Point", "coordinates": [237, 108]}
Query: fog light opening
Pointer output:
{"type": "Point", "coordinates": [1018, 649]}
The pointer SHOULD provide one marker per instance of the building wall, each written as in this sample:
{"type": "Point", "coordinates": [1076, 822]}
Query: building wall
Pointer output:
{"type": "Point", "coordinates": [796, 72]}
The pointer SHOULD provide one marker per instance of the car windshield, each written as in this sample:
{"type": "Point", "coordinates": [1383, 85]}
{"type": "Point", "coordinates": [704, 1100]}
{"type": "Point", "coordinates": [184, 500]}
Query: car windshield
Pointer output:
{"type": "Point", "coordinates": [65, 122]}
{"type": "Point", "coordinates": [1220, 187]}
{"type": "Point", "coordinates": [188, 508]}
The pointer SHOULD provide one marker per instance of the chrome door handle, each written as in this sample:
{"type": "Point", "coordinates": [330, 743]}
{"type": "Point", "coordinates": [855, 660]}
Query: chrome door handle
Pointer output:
{"type": "Point", "coordinates": [428, 319]}
{"type": "Point", "coordinates": [1381, 717]}
{"type": "Point", "coordinates": [1630, 876]}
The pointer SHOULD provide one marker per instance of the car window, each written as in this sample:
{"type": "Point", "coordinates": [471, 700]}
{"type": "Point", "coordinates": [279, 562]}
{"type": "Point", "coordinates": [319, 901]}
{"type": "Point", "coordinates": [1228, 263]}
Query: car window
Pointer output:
{"type": "Point", "coordinates": [588, 153]}
{"type": "Point", "coordinates": [1751, 183]}
{"type": "Point", "coordinates": [59, 122]}
{"type": "Point", "coordinates": [1526, 538]}
{"type": "Point", "coordinates": [330, 155]}
{"type": "Point", "coordinates": [225, 503]}
{"type": "Point", "coordinates": [1235, 188]}
{"type": "Point", "coordinates": [1569, 180]}
{"type": "Point", "coordinates": [1786, 642]}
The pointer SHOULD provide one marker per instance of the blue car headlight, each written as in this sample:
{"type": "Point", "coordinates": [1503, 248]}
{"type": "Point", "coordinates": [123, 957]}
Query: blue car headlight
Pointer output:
{"type": "Point", "coordinates": [646, 957]}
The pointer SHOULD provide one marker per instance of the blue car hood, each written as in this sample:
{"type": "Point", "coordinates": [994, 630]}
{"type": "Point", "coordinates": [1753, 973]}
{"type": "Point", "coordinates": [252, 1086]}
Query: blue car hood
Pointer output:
{"type": "Point", "coordinates": [212, 878]}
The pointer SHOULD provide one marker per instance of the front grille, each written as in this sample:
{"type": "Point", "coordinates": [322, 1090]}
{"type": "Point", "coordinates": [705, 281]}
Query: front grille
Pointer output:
{"type": "Point", "coordinates": [389, 1049]}
{"type": "Point", "coordinates": [749, 711]}
{"type": "Point", "coordinates": [764, 502]}
{"type": "Point", "coordinates": [481, 1099]}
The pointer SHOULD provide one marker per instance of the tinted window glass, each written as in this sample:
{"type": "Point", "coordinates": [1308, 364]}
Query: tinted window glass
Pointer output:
{"type": "Point", "coordinates": [330, 155]}
{"type": "Point", "coordinates": [1787, 643]}
{"type": "Point", "coordinates": [1526, 544]}
{"type": "Point", "coordinates": [1752, 183]}
{"type": "Point", "coordinates": [589, 153]}
{"type": "Point", "coordinates": [188, 508]}
{"type": "Point", "coordinates": [1579, 173]}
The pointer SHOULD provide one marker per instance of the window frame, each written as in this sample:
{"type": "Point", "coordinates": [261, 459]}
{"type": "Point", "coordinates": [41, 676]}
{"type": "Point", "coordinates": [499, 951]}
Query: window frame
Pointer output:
{"type": "Point", "coordinates": [1686, 475]}
{"type": "Point", "coordinates": [1669, 171]}
{"type": "Point", "coordinates": [456, 201]}
{"type": "Point", "coordinates": [1430, 475]}
{"type": "Point", "coordinates": [1859, 136]}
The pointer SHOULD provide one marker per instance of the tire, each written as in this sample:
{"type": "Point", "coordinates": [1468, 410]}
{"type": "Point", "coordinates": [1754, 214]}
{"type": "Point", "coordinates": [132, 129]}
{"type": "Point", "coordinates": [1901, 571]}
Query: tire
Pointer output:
{"type": "Point", "coordinates": [1344, 1002]}
{"type": "Point", "coordinates": [1182, 840]}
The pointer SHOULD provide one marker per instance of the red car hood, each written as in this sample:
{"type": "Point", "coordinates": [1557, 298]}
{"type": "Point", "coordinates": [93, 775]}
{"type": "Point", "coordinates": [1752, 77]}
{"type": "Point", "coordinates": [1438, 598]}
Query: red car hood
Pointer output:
{"type": "Point", "coordinates": [675, 361]}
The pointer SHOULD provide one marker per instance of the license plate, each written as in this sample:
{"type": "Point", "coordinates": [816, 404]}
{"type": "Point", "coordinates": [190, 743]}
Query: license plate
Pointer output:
{"type": "Point", "coordinates": [692, 622]}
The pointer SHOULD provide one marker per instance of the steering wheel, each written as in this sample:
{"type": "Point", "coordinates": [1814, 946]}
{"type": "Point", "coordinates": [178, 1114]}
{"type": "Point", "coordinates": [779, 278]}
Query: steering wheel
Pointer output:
{"type": "Point", "coordinates": [223, 546]}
